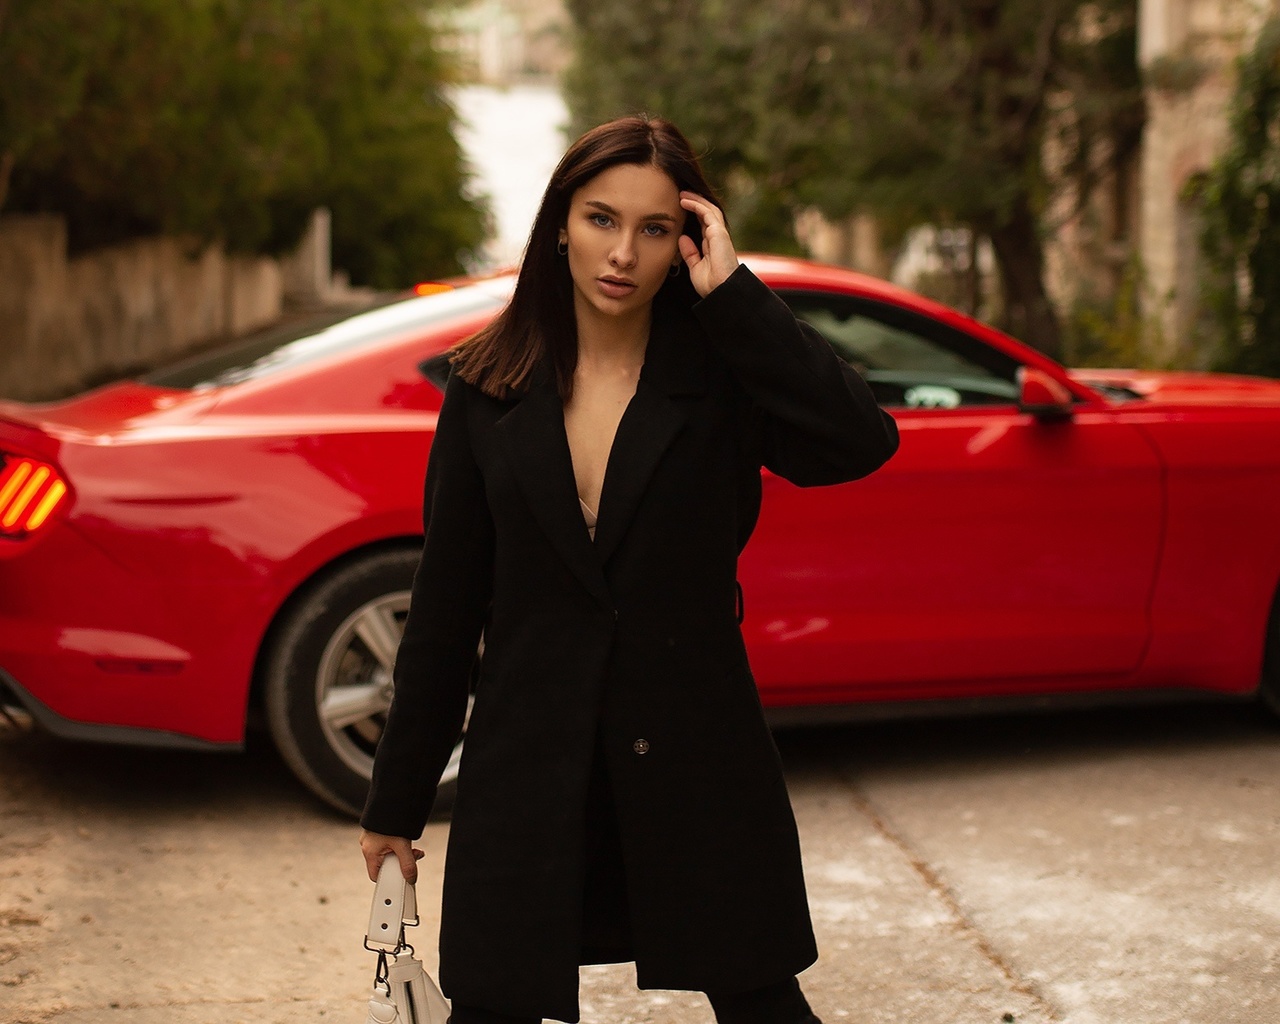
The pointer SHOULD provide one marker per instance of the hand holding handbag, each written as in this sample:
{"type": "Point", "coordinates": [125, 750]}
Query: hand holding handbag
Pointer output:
{"type": "Point", "coordinates": [403, 992]}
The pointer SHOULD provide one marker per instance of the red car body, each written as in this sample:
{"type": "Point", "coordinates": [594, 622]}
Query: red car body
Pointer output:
{"type": "Point", "coordinates": [1131, 544]}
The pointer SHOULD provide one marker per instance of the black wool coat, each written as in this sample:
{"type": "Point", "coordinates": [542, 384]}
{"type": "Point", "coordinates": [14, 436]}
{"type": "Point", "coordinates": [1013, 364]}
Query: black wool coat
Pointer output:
{"type": "Point", "coordinates": [616, 666]}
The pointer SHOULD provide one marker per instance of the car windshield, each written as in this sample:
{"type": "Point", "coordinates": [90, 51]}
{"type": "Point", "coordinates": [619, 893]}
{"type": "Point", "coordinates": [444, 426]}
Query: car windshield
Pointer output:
{"type": "Point", "coordinates": [326, 334]}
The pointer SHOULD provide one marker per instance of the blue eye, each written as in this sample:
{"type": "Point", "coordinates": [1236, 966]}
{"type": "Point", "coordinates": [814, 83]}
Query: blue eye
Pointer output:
{"type": "Point", "coordinates": [599, 219]}
{"type": "Point", "coordinates": [656, 230]}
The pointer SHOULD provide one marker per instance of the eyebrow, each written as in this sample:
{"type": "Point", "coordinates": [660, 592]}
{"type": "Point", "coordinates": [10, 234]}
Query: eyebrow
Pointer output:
{"type": "Point", "coordinates": [606, 208]}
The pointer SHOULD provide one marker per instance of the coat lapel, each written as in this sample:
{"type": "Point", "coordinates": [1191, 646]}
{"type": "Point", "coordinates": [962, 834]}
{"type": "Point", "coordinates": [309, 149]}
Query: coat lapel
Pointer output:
{"type": "Point", "coordinates": [533, 439]}
{"type": "Point", "coordinates": [649, 425]}
{"type": "Point", "coordinates": [673, 368]}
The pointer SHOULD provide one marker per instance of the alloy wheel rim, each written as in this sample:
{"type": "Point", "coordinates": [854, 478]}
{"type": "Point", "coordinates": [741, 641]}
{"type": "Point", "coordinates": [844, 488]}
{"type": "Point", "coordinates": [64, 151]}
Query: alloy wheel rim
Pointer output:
{"type": "Point", "coordinates": [354, 682]}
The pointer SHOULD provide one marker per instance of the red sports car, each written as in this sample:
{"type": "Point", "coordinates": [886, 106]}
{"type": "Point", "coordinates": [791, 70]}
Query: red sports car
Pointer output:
{"type": "Point", "coordinates": [238, 533]}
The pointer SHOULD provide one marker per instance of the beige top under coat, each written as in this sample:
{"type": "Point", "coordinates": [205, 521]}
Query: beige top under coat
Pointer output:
{"type": "Point", "coordinates": [590, 517]}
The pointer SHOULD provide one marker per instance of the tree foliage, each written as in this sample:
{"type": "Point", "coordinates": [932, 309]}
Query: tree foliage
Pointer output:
{"type": "Point", "coordinates": [1241, 206]}
{"type": "Point", "coordinates": [233, 119]}
{"type": "Point", "coordinates": [935, 111]}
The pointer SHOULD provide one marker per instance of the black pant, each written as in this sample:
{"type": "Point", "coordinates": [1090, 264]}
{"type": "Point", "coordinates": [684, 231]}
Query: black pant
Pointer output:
{"type": "Point", "coordinates": [783, 1003]}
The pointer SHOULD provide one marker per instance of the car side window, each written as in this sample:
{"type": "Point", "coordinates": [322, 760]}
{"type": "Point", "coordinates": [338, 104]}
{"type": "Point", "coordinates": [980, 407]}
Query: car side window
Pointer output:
{"type": "Point", "coordinates": [909, 360]}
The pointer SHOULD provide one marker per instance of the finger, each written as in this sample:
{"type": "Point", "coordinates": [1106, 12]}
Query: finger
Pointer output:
{"type": "Point", "coordinates": [408, 865]}
{"type": "Point", "coordinates": [689, 250]}
{"type": "Point", "coordinates": [373, 862]}
{"type": "Point", "coordinates": [712, 232]}
{"type": "Point", "coordinates": [699, 210]}
{"type": "Point", "coordinates": [706, 210]}
{"type": "Point", "coordinates": [688, 195]}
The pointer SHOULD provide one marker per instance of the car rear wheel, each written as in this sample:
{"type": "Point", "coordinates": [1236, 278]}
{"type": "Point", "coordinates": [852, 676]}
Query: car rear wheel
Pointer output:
{"type": "Point", "coordinates": [328, 677]}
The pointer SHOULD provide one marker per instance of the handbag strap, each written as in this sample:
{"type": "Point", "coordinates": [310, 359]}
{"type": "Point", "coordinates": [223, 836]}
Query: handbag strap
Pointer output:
{"type": "Point", "coordinates": [394, 906]}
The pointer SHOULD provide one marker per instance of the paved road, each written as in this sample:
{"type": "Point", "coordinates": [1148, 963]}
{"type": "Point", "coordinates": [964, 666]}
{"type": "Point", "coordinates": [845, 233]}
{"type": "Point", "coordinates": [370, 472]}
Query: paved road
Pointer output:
{"type": "Point", "coordinates": [1084, 868]}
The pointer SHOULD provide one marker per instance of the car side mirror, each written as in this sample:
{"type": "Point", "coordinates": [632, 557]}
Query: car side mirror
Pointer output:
{"type": "Point", "coordinates": [1042, 396]}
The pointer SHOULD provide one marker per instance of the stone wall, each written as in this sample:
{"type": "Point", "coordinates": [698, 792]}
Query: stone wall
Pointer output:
{"type": "Point", "coordinates": [67, 322]}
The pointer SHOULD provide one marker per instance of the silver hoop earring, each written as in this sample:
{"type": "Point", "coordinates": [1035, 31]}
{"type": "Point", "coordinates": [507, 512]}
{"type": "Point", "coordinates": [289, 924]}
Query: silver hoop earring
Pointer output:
{"type": "Point", "coordinates": [562, 248]}
{"type": "Point", "coordinates": [674, 271]}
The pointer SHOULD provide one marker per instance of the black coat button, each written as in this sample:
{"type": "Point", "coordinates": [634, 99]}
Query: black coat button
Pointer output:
{"type": "Point", "coordinates": [640, 746]}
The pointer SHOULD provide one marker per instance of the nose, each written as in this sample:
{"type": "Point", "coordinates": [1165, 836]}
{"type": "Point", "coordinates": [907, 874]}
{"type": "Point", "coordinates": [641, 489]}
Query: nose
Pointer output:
{"type": "Point", "coordinates": [623, 255]}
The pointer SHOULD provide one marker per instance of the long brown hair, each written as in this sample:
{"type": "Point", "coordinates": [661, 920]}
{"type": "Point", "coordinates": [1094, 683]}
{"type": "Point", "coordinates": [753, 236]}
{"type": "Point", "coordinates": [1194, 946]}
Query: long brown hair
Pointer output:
{"type": "Point", "coordinates": [539, 320]}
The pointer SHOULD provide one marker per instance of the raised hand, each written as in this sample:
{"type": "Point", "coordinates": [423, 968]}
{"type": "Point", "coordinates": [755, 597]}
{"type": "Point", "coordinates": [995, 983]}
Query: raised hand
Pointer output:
{"type": "Point", "coordinates": [712, 266]}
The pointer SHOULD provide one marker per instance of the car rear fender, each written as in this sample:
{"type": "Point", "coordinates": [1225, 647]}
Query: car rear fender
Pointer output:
{"type": "Point", "coordinates": [254, 708]}
{"type": "Point", "coordinates": [23, 437]}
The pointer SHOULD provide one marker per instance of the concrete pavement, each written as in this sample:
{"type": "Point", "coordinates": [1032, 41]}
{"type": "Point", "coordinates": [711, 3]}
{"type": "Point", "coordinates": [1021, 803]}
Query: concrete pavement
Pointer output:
{"type": "Point", "coordinates": [1080, 868]}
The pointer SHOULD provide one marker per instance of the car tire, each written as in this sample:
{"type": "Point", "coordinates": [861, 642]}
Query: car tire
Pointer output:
{"type": "Point", "coordinates": [327, 676]}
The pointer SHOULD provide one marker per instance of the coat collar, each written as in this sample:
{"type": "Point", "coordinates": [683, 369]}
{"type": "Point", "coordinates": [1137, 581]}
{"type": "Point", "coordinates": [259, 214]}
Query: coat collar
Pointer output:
{"type": "Point", "coordinates": [533, 438]}
{"type": "Point", "coordinates": [675, 361]}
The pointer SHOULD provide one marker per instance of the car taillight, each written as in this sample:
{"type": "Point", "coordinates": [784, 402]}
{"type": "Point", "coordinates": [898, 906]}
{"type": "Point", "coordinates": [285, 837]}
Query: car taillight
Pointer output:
{"type": "Point", "coordinates": [29, 492]}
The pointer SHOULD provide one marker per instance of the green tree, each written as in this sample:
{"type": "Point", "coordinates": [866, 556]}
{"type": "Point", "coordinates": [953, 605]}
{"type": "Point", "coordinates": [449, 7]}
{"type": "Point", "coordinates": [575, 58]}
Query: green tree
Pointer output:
{"type": "Point", "coordinates": [42, 74]}
{"type": "Point", "coordinates": [918, 110]}
{"type": "Point", "coordinates": [1241, 205]}
{"type": "Point", "coordinates": [232, 119]}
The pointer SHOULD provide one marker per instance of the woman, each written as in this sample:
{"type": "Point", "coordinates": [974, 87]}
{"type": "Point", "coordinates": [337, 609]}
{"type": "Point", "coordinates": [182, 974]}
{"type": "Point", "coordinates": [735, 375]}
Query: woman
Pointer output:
{"type": "Point", "coordinates": [595, 474]}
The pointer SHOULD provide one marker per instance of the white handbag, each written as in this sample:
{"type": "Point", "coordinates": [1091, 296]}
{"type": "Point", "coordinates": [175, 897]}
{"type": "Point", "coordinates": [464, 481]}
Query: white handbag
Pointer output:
{"type": "Point", "coordinates": [403, 992]}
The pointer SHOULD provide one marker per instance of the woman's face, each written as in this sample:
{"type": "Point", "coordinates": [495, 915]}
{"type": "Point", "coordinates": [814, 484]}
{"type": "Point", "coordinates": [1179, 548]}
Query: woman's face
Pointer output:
{"type": "Point", "coordinates": [622, 231]}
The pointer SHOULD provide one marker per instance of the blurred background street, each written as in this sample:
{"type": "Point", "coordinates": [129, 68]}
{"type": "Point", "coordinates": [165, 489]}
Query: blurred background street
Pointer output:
{"type": "Point", "coordinates": [200, 189]}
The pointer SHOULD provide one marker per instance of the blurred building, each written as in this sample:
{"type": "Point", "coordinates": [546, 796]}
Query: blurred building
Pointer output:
{"type": "Point", "coordinates": [1187, 50]}
{"type": "Point", "coordinates": [1136, 243]}
{"type": "Point", "coordinates": [503, 42]}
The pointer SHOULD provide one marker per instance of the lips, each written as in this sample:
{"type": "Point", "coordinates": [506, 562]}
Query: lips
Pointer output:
{"type": "Point", "coordinates": [615, 287]}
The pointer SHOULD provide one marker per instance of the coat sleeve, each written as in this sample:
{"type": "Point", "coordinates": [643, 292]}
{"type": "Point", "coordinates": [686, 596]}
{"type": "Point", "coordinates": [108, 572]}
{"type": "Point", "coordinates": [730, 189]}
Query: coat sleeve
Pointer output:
{"type": "Point", "coordinates": [815, 420]}
{"type": "Point", "coordinates": [447, 610]}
